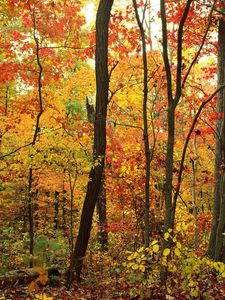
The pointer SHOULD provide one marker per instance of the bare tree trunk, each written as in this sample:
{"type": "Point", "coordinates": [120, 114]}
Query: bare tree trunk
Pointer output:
{"type": "Point", "coordinates": [56, 211]}
{"type": "Point", "coordinates": [95, 176]}
{"type": "Point", "coordinates": [101, 206]}
{"type": "Point", "coordinates": [193, 191]}
{"type": "Point", "coordinates": [145, 123]}
{"type": "Point", "coordinates": [219, 159]}
{"type": "Point", "coordinates": [30, 214]}
{"type": "Point", "coordinates": [172, 103]}
{"type": "Point", "coordinates": [37, 129]}
{"type": "Point", "coordinates": [102, 218]}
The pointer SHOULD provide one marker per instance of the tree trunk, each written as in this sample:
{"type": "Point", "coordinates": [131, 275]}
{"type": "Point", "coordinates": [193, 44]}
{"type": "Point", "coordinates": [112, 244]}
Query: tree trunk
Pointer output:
{"type": "Point", "coordinates": [145, 123]}
{"type": "Point", "coordinates": [95, 176]}
{"type": "Point", "coordinates": [219, 248]}
{"type": "Point", "coordinates": [30, 214]}
{"type": "Point", "coordinates": [219, 159]}
{"type": "Point", "coordinates": [56, 212]}
{"type": "Point", "coordinates": [102, 219]}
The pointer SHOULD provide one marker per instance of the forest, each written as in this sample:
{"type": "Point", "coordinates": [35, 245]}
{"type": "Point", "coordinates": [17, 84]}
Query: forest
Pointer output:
{"type": "Point", "coordinates": [112, 149]}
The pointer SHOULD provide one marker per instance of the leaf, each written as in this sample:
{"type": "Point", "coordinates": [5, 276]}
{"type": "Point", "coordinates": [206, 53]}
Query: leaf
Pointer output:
{"type": "Point", "coordinates": [172, 267]}
{"type": "Point", "coordinates": [155, 248]}
{"type": "Point", "coordinates": [53, 245]}
{"type": "Point", "coordinates": [164, 261]}
{"type": "Point", "coordinates": [154, 242]}
{"type": "Point", "coordinates": [177, 252]}
{"type": "Point", "coordinates": [43, 297]}
{"type": "Point", "coordinates": [166, 252]}
{"type": "Point", "coordinates": [192, 283]}
{"type": "Point", "coordinates": [223, 274]}
{"type": "Point", "coordinates": [142, 268]}
{"type": "Point", "coordinates": [41, 270]}
{"type": "Point", "coordinates": [178, 245]}
{"type": "Point", "coordinates": [43, 279]}
{"type": "Point", "coordinates": [135, 267]}
{"type": "Point", "coordinates": [166, 236]}
{"type": "Point", "coordinates": [33, 287]}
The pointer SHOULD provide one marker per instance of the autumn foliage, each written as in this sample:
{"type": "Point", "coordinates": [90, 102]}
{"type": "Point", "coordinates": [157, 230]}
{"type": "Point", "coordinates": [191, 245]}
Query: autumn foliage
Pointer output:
{"type": "Point", "coordinates": [47, 77]}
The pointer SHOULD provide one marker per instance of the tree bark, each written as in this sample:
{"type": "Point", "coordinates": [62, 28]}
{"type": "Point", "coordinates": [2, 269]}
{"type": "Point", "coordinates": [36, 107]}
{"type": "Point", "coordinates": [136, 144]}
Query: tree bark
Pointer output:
{"type": "Point", "coordinates": [145, 123]}
{"type": "Point", "coordinates": [95, 176]}
{"type": "Point", "coordinates": [216, 239]}
{"type": "Point", "coordinates": [219, 158]}
{"type": "Point", "coordinates": [102, 218]}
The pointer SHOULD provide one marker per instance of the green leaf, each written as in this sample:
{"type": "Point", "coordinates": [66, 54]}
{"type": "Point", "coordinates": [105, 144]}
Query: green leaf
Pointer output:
{"type": "Point", "coordinates": [41, 245]}
{"type": "Point", "coordinates": [53, 245]}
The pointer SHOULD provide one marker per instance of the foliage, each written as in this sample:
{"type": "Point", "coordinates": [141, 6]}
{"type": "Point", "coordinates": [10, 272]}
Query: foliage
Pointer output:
{"type": "Point", "coordinates": [57, 37]}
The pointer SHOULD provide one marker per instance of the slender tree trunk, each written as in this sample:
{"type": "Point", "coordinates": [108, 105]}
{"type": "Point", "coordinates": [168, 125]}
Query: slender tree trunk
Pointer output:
{"type": "Point", "coordinates": [145, 123]}
{"type": "Point", "coordinates": [172, 103]}
{"type": "Point", "coordinates": [6, 100]}
{"type": "Point", "coordinates": [30, 214]}
{"type": "Point", "coordinates": [220, 245]}
{"type": "Point", "coordinates": [56, 213]}
{"type": "Point", "coordinates": [37, 127]}
{"type": "Point", "coordinates": [219, 159]}
{"type": "Point", "coordinates": [101, 206]}
{"type": "Point", "coordinates": [95, 176]}
{"type": "Point", "coordinates": [193, 191]}
{"type": "Point", "coordinates": [168, 222]}
{"type": "Point", "coordinates": [102, 217]}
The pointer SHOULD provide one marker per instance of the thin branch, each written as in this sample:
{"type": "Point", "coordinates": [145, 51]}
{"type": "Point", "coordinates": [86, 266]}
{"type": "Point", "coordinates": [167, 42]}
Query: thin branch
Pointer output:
{"type": "Point", "coordinates": [186, 144]}
{"type": "Point", "coordinates": [66, 47]}
{"type": "Point", "coordinates": [16, 150]}
{"type": "Point", "coordinates": [112, 69]}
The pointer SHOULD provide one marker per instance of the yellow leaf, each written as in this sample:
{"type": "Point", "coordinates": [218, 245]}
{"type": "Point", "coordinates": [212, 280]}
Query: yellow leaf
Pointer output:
{"type": "Point", "coordinates": [135, 267]}
{"type": "Point", "coordinates": [154, 242]}
{"type": "Point", "coordinates": [166, 252]}
{"type": "Point", "coordinates": [142, 268]}
{"type": "Point", "coordinates": [130, 257]}
{"type": "Point", "coordinates": [178, 245]}
{"type": "Point", "coordinates": [164, 261]}
{"type": "Point", "coordinates": [156, 248]}
{"type": "Point", "coordinates": [42, 297]}
{"type": "Point", "coordinates": [223, 274]}
{"type": "Point", "coordinates": [141, 249]}
{"type": "Point", "coordinates": [177, 252]}
{"type": "Point", "coordinates": [166, 236]}
{"type": "Point", "coordinates": [192, 283]}
{"type": "Point", "coordinates": [195, 292]}
{"type": "Point", "coordinates": [172, 268]}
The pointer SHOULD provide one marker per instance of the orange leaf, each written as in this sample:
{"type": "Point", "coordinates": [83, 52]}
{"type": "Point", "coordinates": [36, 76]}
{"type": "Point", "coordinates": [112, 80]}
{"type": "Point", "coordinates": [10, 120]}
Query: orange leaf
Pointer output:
{"type": "Point", "coordinates": [33, 287]}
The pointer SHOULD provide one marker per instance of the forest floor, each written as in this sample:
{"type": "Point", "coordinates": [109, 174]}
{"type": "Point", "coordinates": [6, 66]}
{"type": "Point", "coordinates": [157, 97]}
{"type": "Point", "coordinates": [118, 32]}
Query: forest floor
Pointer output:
{"type": "Point", "coordinates": [104, 288]}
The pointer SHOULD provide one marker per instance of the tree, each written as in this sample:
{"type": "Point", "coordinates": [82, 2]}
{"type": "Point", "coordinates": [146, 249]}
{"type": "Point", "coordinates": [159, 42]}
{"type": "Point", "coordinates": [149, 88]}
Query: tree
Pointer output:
{"type": "Point", "coordinates": [215, 247]}
{"type": "Point", "coordinates": [173, 98]}
{"type": "Point", "coordinates": [95, 176]}
{"type": "Point", "coordinates": [145, 122]}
